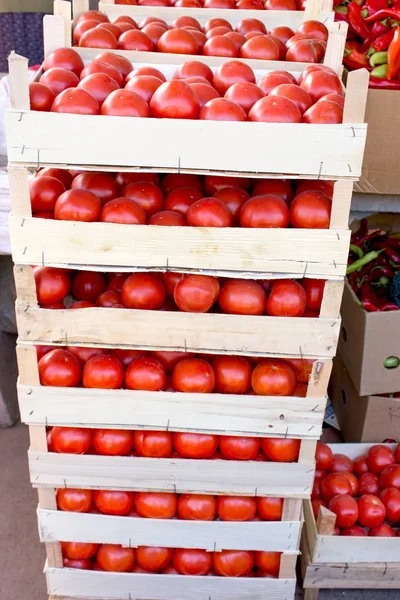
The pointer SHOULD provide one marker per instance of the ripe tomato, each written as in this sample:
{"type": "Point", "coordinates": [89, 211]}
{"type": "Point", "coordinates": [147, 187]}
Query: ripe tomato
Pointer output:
{"type": "Point", "coordinates": [76, 101]}
{"type": "Point", "coordinates": [354, 530]}
{"type": "Point", "coordinates": [247, 25]}
{"type": "Point", "coordinates": [59, 368]}
{"type": "Point", "coordinates": [242, 297]}
{"type": "Point", "coordinates": [274, 78]}
{"type": "Point", "coordinates": [189, 561]}
{"type": "Point", "coordinates": [273, 377]}
{"type": "Point", "coordinates": [311, 210]}
{"type": "Point", "coordinates": [193, 375]}
{"type": "Point", "coordinates": [97, 66]}
{"type": "Point", "coordinates": [82, 27]}
{"type": "Point", "coordinates": [294, 93]}
{"type": "Point", "coordinates": [143, 291]}
{"type": "Point", "coordinates": [302, 368]}
{"type": "Point", "coordinates": [122, 64]}
{"type": "Point", "coordinates": [71, 440]}
{"type": "Point", "coordinates": [177, 41]}
{"type": "Point", "coordinates": [397, 453]}
{"type": "Point", "coordinates": [270, 509]}
{"type": "Point", "coordinates": [61, 174]}
{"type": "Point", "coordinates": [197, 507]}
{"type": "Point", "coordinates": [41, 96]}
{"type": "Point", "coordinates": [216, 22]}
{"type": "Point", "coordinates": [275, 187]}
{"type": "Point", "coordinates": [156, 505]}
{"type": "Point", "coordinates": [112, 442]}
{"type": "Point", "coordinates": [320, 186]}
{"type": "Point", "coordinates": [324, 112]}
{"type": "Point", "coordinates": [221, 109]}
{"type": "Point", "coordinates": [193, 68]}
{"type": "Point", "coordinates": [266, 210]}
{"type": "Point", "coordinates": [171, 280]}
{"type": "Point", "coordinates": [195, 445]}
{"type": "Point", "coordinates": [383, 530]}
{"type": "Point", "coordinates": [44, 192]}
{"type": "Point", "coordinates": [360, 466]}
{"type": "Point", "coordinates": [390, 498]}
{"type": "Point", "coordinates": [314, 292]}
{"type": "Point", "coordinates": [237, 38]}
{"type": "Point", "coordinates": [234, 198]}
{"type": "Point", "coordinates": [219, 30]}
{"type": "Point", "coordinates": [244, 94]}
{"type": "Point", "coordinates": [275, 109]}
{"type": "Point", "coordinates": [209, 212]}
{"type": "Point", "coordinates": [233, 563]}
{"type": "Point", "coordinates": [114, 502]}
{"type": "Point", "coordinates": [204, 92]}
{"type": "Point", "coordinates": [232, 374]}
{"type": "Point", "coordinates": [103, 371]}
{"type": "Point", "coordinates": [216, 183]}
{"type": "Point", "coordinates": [220, 45]}
{"type": "Point", "coordinates": [134, 39]}
{"type": "Point", "coordinates": [73, 500]}
{"type": "Point", "coordinates": [147, 195]}
{"type": "Point", "coordinates": [52, 285]}
{"type": "Point", "coordinates": [305, 50]}
{"type": "Point", "coordinates": [78, 550]}
{"type": "Point", "coordinates": [379, 457]}
{"type": "Point", "coordinates": [109, 299]}
{"type": "Point", "coordinates": [232, 72]}
{"type": "Point", "coordinates": [145, 373]}
{"type": "Point", "coordinates": [112, 557]}
{"type": "Point", "coordinates": [333, 98]}
{"type": "Point", "coordinates": [268, 562]}
{"type": "Point", "coordinates": [287, 299]}
{"type": "Point", "coordinates": [66, 58]}
{"type": "Point", "coordinates": [371, 511]}
{"type": "Point", "coordinates": [196, 293]}
{"type": "Point", "coordinates": [124, 211]}
{"type": "Point", "coordinates": [153, 559]}
{"type": "Point", "coordinates": [320, 82]}
{"type": "Point", "coordinates": [390, 477]}
{"type": "Point", "coordinates": [83, 354]}
{"type": "Point", "coordinates": [98, 37]}
{"type": "Point", "coordinates": [283, 33]}
{"type": "Point", "coordinates": [318, 29]}
{"type": "Point", "coordinates": [261, 47]}
{"type": "Point", "coordinates": [236, 508]}
{"type": "Point", "coordinates": [323, 456]}
{"type": "Point", "coordinates": [341, 464]}
{"type": "Point", "coordinates": [77, 205]}
{"type": "Point", "coordinates": [345, 509]}
{"type": "Point", "coordinates": [369, 484]}
{"type": "Point", "coordinates": [123, 103]}
{"type": "Point", "coordinates": [335, 484]}
{"type": "Point", "coordinates": [70, 563]}
{"type": "Point", "coordinates": [144, 85]}
{"type": "Point", "coordinates": [127, 356]}
{"type": "Point", "coordinates": [239, 448]}
{"type": "Point", "coordinates": [174, 100]}
{"type": "Point", "coordinates": [87, 285]}
{"type": "Point", "coordinates": [180, 199]}
{"type": "Point", "coordinates": [95, 15]}
{"type": "Point", "coordinates": [281, 449]}
{"type": "Point", "coordinates": [146, 71]}
{"type": "Point", "coordinates": [153, 444]}
{"type": "Point", "coordinates": [99, 85]}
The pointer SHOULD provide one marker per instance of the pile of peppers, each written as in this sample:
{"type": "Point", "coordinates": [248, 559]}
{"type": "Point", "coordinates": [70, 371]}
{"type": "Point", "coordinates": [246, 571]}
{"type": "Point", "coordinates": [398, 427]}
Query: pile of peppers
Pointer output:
{"type": "Point", "coordinates": [373, 269]}
{"type": "Point", "coordinates": [373, 39]}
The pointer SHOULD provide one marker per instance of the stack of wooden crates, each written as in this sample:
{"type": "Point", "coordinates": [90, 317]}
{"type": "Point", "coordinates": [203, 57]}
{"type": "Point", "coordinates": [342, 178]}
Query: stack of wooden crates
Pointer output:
{"type": "Point", "coordinates": [332, 152]}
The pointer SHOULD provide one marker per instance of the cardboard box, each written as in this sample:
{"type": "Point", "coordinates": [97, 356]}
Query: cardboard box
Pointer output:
{"type": "Point", "coordinates": [362, 418]}
{"type": "Point", "coordinates": [380, 172]}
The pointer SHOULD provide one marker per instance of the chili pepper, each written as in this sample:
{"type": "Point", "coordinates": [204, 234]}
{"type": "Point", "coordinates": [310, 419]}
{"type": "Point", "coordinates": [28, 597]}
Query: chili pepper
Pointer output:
{"type": "Point", "coordinates": [380, 71]}
{"type": "Point", "coordinates": [382, 42]}
{"type": "Point", "coordinates": [378, 83]}
{"type": "Point", "coordinates": [356, 20]}
{"type": "Point", "coordinates": [369, 237]}
{"type": "Point", "coordinates": [368, 297]}
{"type": "Point", "coordinates": [356, 265]}
{"type": "Point", "coordinates": [370, 306]}
{"type": "Point", "coordinates": [394, 56]}
{"type": "Point", "coordinates": [357, 250]}
{"type": "Point", "coordinates": [378, 58]}
{"type": "Point", "coordinates": [378, 29]}
{"type": "Point", "coordinates": [393, 242]}
{"type": "Point", "coordinates": [385, 13]}
{"type": "Point", "coordinates": [342, 17]}
{"type": "Point", "coordinates": [374, 6]}
{"type": "Point", "coordinates": [355, 60]}
{"type": "Point", "coordinates": [361, 232]}
{"type": "Point", "coordinates": [389, 252]}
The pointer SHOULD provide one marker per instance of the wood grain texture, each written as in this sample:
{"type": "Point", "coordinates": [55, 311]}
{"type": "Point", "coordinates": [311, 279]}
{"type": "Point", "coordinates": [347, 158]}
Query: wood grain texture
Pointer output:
{"type": "Point", "coordinates": [19, 82]}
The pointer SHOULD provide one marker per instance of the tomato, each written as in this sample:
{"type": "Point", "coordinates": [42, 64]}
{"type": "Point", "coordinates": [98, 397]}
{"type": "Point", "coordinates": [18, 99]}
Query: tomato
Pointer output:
{"type": "Point", "coordinates": [311, 210]}
{"type": "Point", "coordinates": [174, 100]}
{"type": "Point", "coordinates": [390, 476]}
{"type": "Point", "coordinates": [87, 285]}
{"type": "Point", "coordinates": [78, 550]}
{"type": "Point", "coordinates": [77, 205]}
{"type": "Point", "coordinates": [112, 557]}
{"type": "Point", "coordinates": [42, 350]}
{"type": "Point", "coordinates": [97, 66]}
{"type": "Point", "coordinates": [189, 561]}
{"type": "Point", "coordinates": [295, 93]}
{"type": "Point", "coordinates": [269, 562]}
{"type": "Point", "coordinates": [127, 356]}
{"type": "Point", "coordinates": [371, 511]}
{"type": "Point", "coordinates": [71, 563]}
{"type": "Point", "coordinates": [177, 41]}
{"type": "Point", "coordinates": [73, 500]}
{"type": "Point", "coordinates": [323, 456]}
{"type": "Point", "coordinates": [193, 375]}
{"type": "Point", "coordinates": [170, 280]}
{"type": "Point", "coordinates": [232, 72]}
{"type": "Point", "coordinates": [196, 293]}
{"type": "Point", "coordinates": [360, 465]}
{"type": "Point", "coordinates": [314, 289]}
{"type": "Point", "coordinates": [134, 39]}
{"type": "Point", "coordinates": [316, 503]}
{"type": "Point", "coordinates": [193, 68]}
{"type": "Point", "coordinates": [216, 22]}
{"type": "Point", "coordinates": [219, 30]}
{"type": "Point", "coordinates": [345, 509]}
{"type": "Point", "coordinates": [232, 374]}
{"type": "Point", "coordinates": [320, 82]}
{"type": "Point", "coordinates": [82, 304]}
{"type": "Point", "coordinates": [275, 109]}
{"type": "Point", "coordinates": [144, 86]}
{"type": "Point", "coordinates": [114, 502]}
{"type": "Point", "coordinates": [98, 38]}
{"type": "Point", "coordinates": [221, 109]}
{"type": "Point", "coordinates": [153, 72]}
{"type": "Point", "coordinates": [302, 368]}
{"type": "Point", "coordinates": [234, 198]}
{"type": "Point", "coordinates": [383, 530]}
{"type": "Point", "coordinates": [153, 444]}
{"type": "Point", "coordinates": [195, 445]}
{"type": "Point", "coordinates": [112, 442]}
{"type": "Point", "coordinates": [333, 485]}
{"type": "Point", "coordinates": [153, 558]}
{"type": "Point", "coordinates": [59, 368]}
{"type": "Point", "coordinates": [390, 498]}
{"type": "Point", "coordinates": [156, 505]}
{"type": "Point", "coordinates": [237, 38]}
{"type": "Point", "coordinates": [379, 457]}
{"type": "Point", "coordinates": [354, 530]}
{"type": "Point", "coordinates": [44, 192]}
{"type": "Point", "coordinates": [99, 85]}
{"type": "Point", "coordinates": [41, 96]}
{"type": "Point", "coordinates": [325, 112]}
{"type": "Point", "coordinates": [169, 360]}
{"type": "Point", "coordinates": [265, 211]}
{"type": "Point", "coordinates": [233, 563]}
{"type": "Point", "coordinates": [103, 371]}
{"type": "Point", "coordinates": [122, 64]}
{"type": "Point", "coordinates": [305, 50]}
{"type": "Point", "coordinates": [270, 509]}
{"type": "Point", "coordinates": [247, 25]}
{"type": "Point", "coordinates": [83, 26]}
{"type": "Point", "coordinates": [76, 101]}
{"type": "Point", "coordinates": [71, 440]}
{"type": "Point", "coordinates": [209, 212]}
{"type": "Point", "coordinates": [181, 181]}
{"type": "Point", "coordinates": [124, 103]}
{"type": "Point", "coordinates": [242, 297]}
{"type": "Point", "coordinates": [244, 94]}
{"type": "Point", "coordinates": [239, 448]}
{"type": "Point", "coordinates": [216, 183]}
{"type": "Point", "coordinates": [108, 299]}
{"type": "Point", "coordinates": [114, 29]}
{"type": "Point", "coordinates": [61, 174]}
{"type": "Point", "coordinates": [283, 33]}
{"type": "Point", "coordinates": [145, 373]}
{"type": "Point", "coordinates": [143, 291]}
{"type": "Point", "coordinates": [197, 507]}
{"type": "Point", "coordinates": [83, 354]}
{"type": "Point", "coordinates": [123, 179]}
{"type": "Point", "coordinates": [318, 29]}
{"type": "Point", "coordinates": [273, 377]}
{"type": "Point", "coordinates": [123, 210]}
{"type": "Point", "coordinates": [95, 15]}
{"type": "Point", "coordinates": [147, 195]}
{"type": "Point", "coordinates": [287, 299]}
{"type": "Point", "coordinates": [261, 47]}
{"type": "Point", "coordinates": [204, 93]}
{"type": "Point", "coordinates": [369, 484]}
{"type": "Point", "coordinates": [333, 98]}
{"type": "Point", "coordinates": [220, 45]}
{"type": "Point", "coordinates": [281, 449]}
{"type": "Point", "coordinates": [66, 58]}
{"type": "Point", "coordinates": [275, 187]}
{"type": "Point", "coordinates": [341, 464]}
{"type": "Point", "coordinates": [236, 508]}
{"type": "Point", "coordinates": [272, 79]}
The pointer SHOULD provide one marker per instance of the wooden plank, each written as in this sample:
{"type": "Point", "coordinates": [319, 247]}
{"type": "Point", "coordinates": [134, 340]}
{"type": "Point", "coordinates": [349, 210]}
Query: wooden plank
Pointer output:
{"type": "Point", "coordinates": [19, 82]}
{"type": "Point", "coordinates": [283, 480]}
{"type": "Point", "coordinates": [335, 47]}
{"type": "Point", "coordinates": [310, 527]}
{"type": "Point", "coordinates": [25, 285]}
{"type": "Point", "coordinates": [332, 299]}
{"type": "Point", "coordinates": [287, 568]}
{"type": "Point", "coordinates": [319, 378]}
{"type": "Point", "coordinates": [356, 97]}
{"type": "Point", "coordinates": [213, 536]}
{"type": "Point", "coordinates": [307, 452]}
{"type": "Point", "coordinates": [75, 583]}
{"type": "Point", "coordinates": [19, 192]}
{"type": "Point", "coordinates": [331, 151]}
{"type": "Point", "coordinates": [335, 549]}
{"type": "Point", "coordinates": [62, 8]}
{"type": "Point", "coordinates": [292, 509]}
{"type": "Point", "coordinates": [79, 7]}
{"type": "Point", "coordinates": [326, 521]}
{"type": "Point", "coordinates": [54, 33]}
{"type": "Point", "coordinates": [225, 251]}
{"type": "Point", "coordinates": [37, 438]}
{"type": "Point", "coordinates": [27, 366]}
{"type": "Point", "coordinates": [378, 575]}
{"type": "Point", "coordinates": [354, 450]}
{"type": "Point", "coordinates": [341, 202]}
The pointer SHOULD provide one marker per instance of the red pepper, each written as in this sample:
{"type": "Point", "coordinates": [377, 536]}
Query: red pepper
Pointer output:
{"type": "Point", "coordinates": [393, 242]}
{"type": "Point", "coordinates": [356, 20]}
{"type": "Point", "coordinates": [383, 41]}
{"type": "Point", "coordinates": [386, 13]}
{"type": "Point", "coordinates": [361, 232]}
{"type": "Point", "coordinates": [342, 17]}
{"type": "Point", "coordinates": [378, 29]}
{"type": "Point", "coordinates": [374, 6]}
{"type": "Point", "coordinates": [370, 306]}
{"type": "Point", "coordinates": [379, 83]}
{"type": "Point", "coordinates": [355, 60]}
{"type": "Point", "coordinates": [389, 252]}
{"type": "Point", "coordinates": [394, 55]}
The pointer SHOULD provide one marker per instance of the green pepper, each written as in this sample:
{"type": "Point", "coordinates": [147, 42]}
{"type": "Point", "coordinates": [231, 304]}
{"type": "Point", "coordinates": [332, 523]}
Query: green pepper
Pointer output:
{"type": "Point", "coordinates": [380, 72]}
{"type": "Point", "coordinates": [378, 58]}
{"type": "Point", "coordinates": [391, 362]}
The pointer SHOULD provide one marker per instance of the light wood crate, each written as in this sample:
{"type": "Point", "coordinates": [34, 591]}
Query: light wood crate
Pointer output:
{"type": "Point", "coordinates": [344, 562]}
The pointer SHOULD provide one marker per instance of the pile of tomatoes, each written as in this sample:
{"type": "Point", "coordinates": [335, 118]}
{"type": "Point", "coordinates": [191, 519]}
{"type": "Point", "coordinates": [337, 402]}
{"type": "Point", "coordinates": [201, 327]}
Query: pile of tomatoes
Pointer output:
{"type": "Point", "coordinates": [178, 292]}
{"type": "Point", "coordinates": [217, 38]}
{"type": "Point", "coordinates": [364, 493]}
{"type": "Point", "coordinates": [195, 92]}
{"type": "Point", "coordinates": [180, 200]}
{"type": "Point", "coordinates": [225, 4]}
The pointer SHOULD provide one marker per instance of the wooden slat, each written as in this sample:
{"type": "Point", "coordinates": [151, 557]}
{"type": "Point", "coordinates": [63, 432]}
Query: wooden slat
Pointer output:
{"type": "Point", "coordinates": [27, 366]}
{"type": "Point", "coordinates": [326, 521]}
{"type": "Point", "coordinates": [332, 298]}
{"type": "Point", "coordinates": [208, 535]}
{"type": "Point", "coordinates": [19, 82]}
{"type": "Point", "coordinates": [379, 575]}
{"type": "Point", "coordinates": [356, 98]}
{"type": "Point", "coordinates": [54, 33]}
{"type": "Point", "coordinates": [19, 192]}
{"type": "Point", "coordinates": [81, 6]}
{"type": "Point", "coordinates": [319, 379]}
{"type": "Point", "coordinates": [287, 567]}
{"type": "Point", "coordinates": [335, 47]}
{"type": "Point", "coordinates": [283, 480]}
{"type": "Point", "coordinates": [292, 509]}
{"type": "Point", "coordinates": [341, 202]}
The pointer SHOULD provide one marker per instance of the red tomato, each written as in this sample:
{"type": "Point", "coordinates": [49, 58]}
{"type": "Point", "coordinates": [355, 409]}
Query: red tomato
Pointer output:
{"type": "Point", "coordinates": [44, 192]}
{"type": "Point", "coordinates": [177, 41]}
{"type": "Point", "coordinates": [221, 109]}
{"type": "Point", "coordinates": [273, 377]}
{"type": "Point", "coordinates": [244, 94]}
{"type": "Point", "coordinates": [219, 30]}
{"type": "Point", "coordinates": [114, 29]}
{"type": "Point", "coordinates": [197, 507]}
{"type": "Point", "coordinates": [73, 500]}
{"type": "Point", "coordinates": [312, 68]}
{"type": "Point", "coordinates": [156, 505]}
{"type": "Point", "coordinates": [174, 100]}
{"type": "Point", "coordinates": [341, 464]}
{"type": "Point", "coordinates": [193, 68]}
{"type": "Point", "coordinates": [305, 50]}
{"type": "Point", "coordinates": [114, 502]}
{"type": "Point", "coordinates": [170, 281]}
{"type": "Point", "coordinates": [196, 293]}
{"type": "Point", "coordinates": [390, 476]}
{"type": "Point", "coordinates": [390, 498]}
{"type": "Point", "coordinates": [42, 350]}
{"type": "Point", "coordinates": [237, 38]}
{"type": "Point", "coordinates": [79, 550]}
{"type": "Point", "coordinates": [195, 445]}
{"type": "Point", "coordinates": [71, 440]}
{"type": "Point", "coordinates": [83, 26]}
{"type": "Point", "coordinates": [333, 98]}
{"type": "Point", "coordinates": [311, 210]}
{"type": "Point", "coordinates": [123, 103]}
{"type": "Point", "coordinates": [153, 72]}
{"type": "Point", "coordinates": [302, 368]}
{"type": "Point", "coordinates": [287, 299]}
{"type": "Point", "coordinates": [232, 374]}
{"type": "Point", "coordinates": [335, 484]}
{"type": "Point", "coordinates": [261, 47]}
{"type": "Point", "coordinates": [99, 85]}
{"type": "Point", "coordinates": [180, 199]}
{"type": "Point", "coordinates": [371, 511]}
{"type": "Point", "coordinates": [124, 211]}
{"type": "Point", "coordinates": [145, 373]}
{"type": "Point", "coordinates": [270, 509]}
{"type": "Point", "coordinates": [76, 101]}
{"type": "Point", "coordinates": [153, 444]}
{"type": "Point", "coordinates": [209, 212]}
{"type": "Point", "coordinates": [232, 72]}
{"type": "Point", "coordinates": [41, 96]}
{"type": "Point", "coordinates": [112, 557]}
{"type": "Point", "coordinates": [220, 45]}
{"type": "Point", "coordinates": [360, 466]}
{"type": "Point", "coordinates": [61, 174]}
{"type": "Point", "coordinates": [280, 5]}
{"type": "Point", "coordinates": [186, 22]}
{"type": "Point", "coordinates": [234, 198]}
{"type": "Point", "coordinates": [123, 179]}
{"type": "Point", "coordinates": [318, 29]}
{"type": "Point", "coordinates": [239, 448]}
{"type": "Point", "coordinates": [188, 561]}
{"type": "Point", "coordinates": [82, 304]}
{"type": "Point", "coordinates": [325, 112]}
{"type": "Point", "coordinates": [66, 58]}
{"type": "Point", "coordinates": [98, 38]}
{"type": "Point", "coordinates": [70, 563]}
{"type": "Point", "coordinates": [216, 22]}
{"type": "Point", "coordinates": [265, 211]}
{"type": "Point", "coordinates": [135, 40]}
{"type": "Point", "coordinates": [272, 79]}
{"type": "Point", "coordinates": [109, 299]}
{"type": "Point", "coordinates": [323, 456]}
{"type": "Point", "coordinates": [143, 291]}
{"type": "Point", "coordinates": [148, 195]}
{"type": "Point", "coordinates": [112, 442]}
{"type": "Point", "coordinates": [236, 508]}
{"type": "Point", "coordinates": [275, 187]}
{"type": "Point", "coordinates": [247, 25]}
{"type": "Point", "coordinates": [268, 562]}
{"type": "Point", "coordinates": [294, 93]}
{"type": "Point", "coordinates": [383, 530]}
{"type": "Point", "coordinates": [127, 356]}
{"type": "Point", "coordinates": [283, 33]}
{"type": "Point", "coordinates": [83, 354]}
{"type": "Point", "coordinates": [216, 183]}
{"type": "Point", "coordinates": [169, 360]}
{"type": "Point", "coordinates": [275, 109]}
{"type": "Point", "coordinates": [204, 93]}
{"type": "Point", "coordinates": [354, 530]}
{"type": "Point", "coordinates": [314, 292]}
{"type": "Point", "coordinates": [153, 559]}
{"type": "Point", "coordinates": [97, 66]}
{"type": "Point", "coordinates": [242, 297]}
{"type": "Point", "coordinates": [345, 509]}
{"type": "Point", "coordinates": [103, 371]}
{"type": "Point", "coordinates": [369, 484]}
{"type": "Point", "coordinates": [144, 86]}
{"type": "Point", "coordinates": [193, 375]}
{"type": "Point", "coordinates": [281, 449]}
{"type": "Point", "coordinates": [316, 503]}
{"type": "Point", "coordinates": [77, 205]}
{"type": "Point", "coordinates": [95, 15]}
{"type": "Point", "coordinates": [379, 457]}
{"type": "Point", "coordinates": [233, 563]}
{"type": "Point", "coordinates": [59, 368]}
{"type": "Point", "coordinates": [87, 285]}
{"type": "Point", "coordinates": [148, 20]}
{"type": "Point", "coordinates": [320, 82]}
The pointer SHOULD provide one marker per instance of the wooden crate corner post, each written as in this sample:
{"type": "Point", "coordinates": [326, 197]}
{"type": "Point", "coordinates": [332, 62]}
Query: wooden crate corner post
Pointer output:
{"type": "Point", "coordinates": [335, 47]}
{"type": "Point", "coordinates": [56, 33]}
{"type": "Point", "coordinates": [19, 81]}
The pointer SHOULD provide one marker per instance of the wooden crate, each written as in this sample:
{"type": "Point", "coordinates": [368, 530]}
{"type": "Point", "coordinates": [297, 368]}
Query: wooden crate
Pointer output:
{"type": "Point", "coordinates": [38, 139]}
{"type": "Point", "coordinates": [345, 562]}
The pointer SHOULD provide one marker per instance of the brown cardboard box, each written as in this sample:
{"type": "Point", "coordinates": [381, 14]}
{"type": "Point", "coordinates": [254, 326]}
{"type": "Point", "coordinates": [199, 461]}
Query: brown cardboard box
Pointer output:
{"type": "Point", "coordinates": [362, 418]}
{"type": "Point", "coordinates": [380, 172]}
